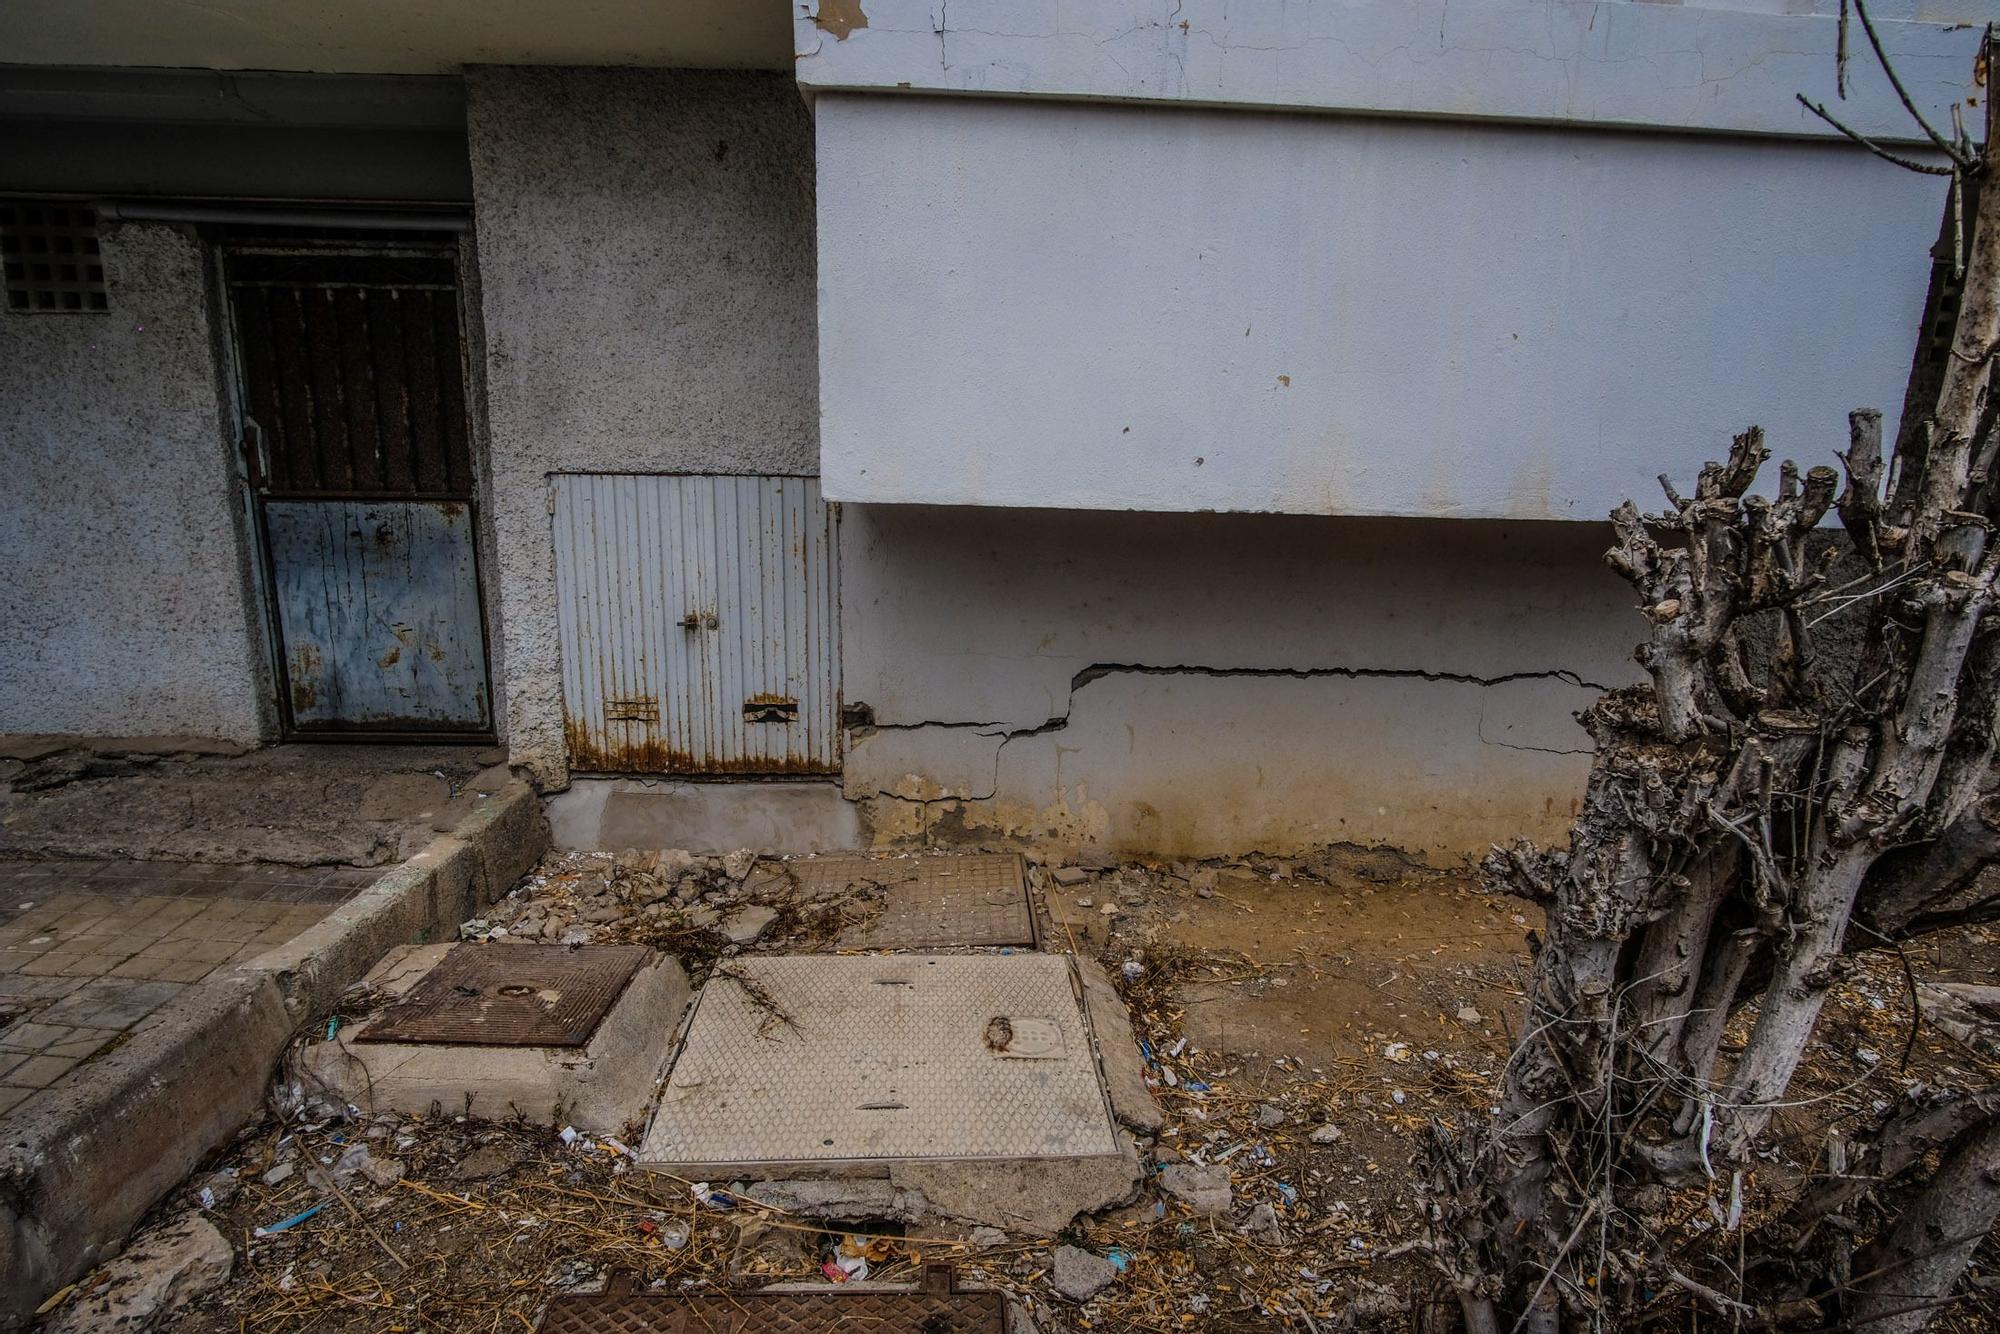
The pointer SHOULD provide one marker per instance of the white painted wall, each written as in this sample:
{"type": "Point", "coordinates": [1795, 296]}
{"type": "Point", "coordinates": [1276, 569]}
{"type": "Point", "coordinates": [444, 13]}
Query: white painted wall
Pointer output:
{"type": "Point", "coordinates": [1087, 306]}
{"type": "Point", "coordinates": [1725, 66]}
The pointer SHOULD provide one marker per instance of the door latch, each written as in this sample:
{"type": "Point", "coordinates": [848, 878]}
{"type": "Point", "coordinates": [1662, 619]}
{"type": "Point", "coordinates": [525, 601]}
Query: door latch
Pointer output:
{"type": "Point", "coordinates": [699, 620]}
{"type": "Point", "coordinates": [770, 709]}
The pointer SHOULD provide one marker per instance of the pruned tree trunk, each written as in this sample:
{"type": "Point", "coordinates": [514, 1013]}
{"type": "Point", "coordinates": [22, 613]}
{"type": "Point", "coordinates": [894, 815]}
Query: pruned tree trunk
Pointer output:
{"type": "Point", "coordinates": [1753, 815]}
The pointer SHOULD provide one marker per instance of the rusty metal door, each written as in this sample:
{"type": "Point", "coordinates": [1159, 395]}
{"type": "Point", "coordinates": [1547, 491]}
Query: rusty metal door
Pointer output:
{"type": "Point", "coordinates": [352, 400]}
{"type": "Point", "coordinates": [698, 622]}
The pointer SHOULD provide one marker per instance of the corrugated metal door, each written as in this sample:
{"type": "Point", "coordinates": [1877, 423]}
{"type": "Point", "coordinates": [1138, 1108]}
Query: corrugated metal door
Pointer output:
{"type": "Point", "coordinates": [353, 404]}
{"type": "Point", "coordinates": [698, 618]}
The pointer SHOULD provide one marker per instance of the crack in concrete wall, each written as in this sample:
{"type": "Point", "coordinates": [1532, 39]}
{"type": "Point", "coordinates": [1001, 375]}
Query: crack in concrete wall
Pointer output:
{"type": "Point", "coordinates": [1098, 671]}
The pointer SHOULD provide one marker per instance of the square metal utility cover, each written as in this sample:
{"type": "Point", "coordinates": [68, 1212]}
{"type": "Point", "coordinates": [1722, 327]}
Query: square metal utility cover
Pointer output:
{"type": "Point", "coordinates": [876, 1311]}
{"type": "Point", "coordinates": [511, 996]}
{"type": "Point", "coordinates": [819, 1059]}
{"type": "Point", "coordinates": [927, 901]}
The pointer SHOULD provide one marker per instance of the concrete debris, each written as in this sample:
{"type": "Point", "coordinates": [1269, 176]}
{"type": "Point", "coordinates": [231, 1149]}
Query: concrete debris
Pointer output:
{"type": "Point", "coordinates": [985, 1238]}
{"type": "Point", "coordinates": [279, 1175]}
{"type": "Point", "coordinates": [1326, 1134]}
{"type": "Point", "coordinates": [736, 865]}
{"type": "Point", "coordinates": [746, 925]}
{"type": "Point", "coordinates": [1070, 875]}
{"type": "Point", "coordinates": [1262, 1224]}
{"type": "Point", "coordinates": [1270, 1116]}
{"type": "Point", "coordinates": [157, 1276]}
{"type": "Point", "coordinates": [1079, 1275]}
{"type": "Point", "coordinates": [1203, 1187]}
{"type": "Point", "coordinates": [1468, 1015]}
{"type": "Point", "coordinates": [858, 1197]}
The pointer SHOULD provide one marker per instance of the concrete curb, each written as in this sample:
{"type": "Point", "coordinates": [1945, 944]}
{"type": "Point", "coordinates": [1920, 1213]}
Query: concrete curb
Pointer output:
{"type": "Point", "coordinates": [80, 1169]}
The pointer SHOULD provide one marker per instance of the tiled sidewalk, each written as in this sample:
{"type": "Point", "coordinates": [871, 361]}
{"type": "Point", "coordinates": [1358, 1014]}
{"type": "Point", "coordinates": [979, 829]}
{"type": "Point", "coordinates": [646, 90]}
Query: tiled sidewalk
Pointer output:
{"type": "Point", "coordinates": [89, 950]}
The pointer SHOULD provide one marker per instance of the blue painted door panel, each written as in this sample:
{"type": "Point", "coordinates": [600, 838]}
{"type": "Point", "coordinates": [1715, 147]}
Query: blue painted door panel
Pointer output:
{"type": "Point", "coordinates": [378, 610]}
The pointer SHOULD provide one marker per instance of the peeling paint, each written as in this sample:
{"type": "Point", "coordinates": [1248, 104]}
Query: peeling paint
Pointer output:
{"type": "Point", "coordinates": [839, 17]}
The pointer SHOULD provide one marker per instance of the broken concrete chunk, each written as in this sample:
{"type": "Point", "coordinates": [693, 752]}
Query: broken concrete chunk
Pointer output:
{"type": "Point", "coordinates": [161, 1273]}
{"type": "Point", "coordinates": [1263, 1224]}
{"type": "Point", "coordinates": [1204, 1188]}
{"type": "Point", "coordinates": [1326, 1134]}
{"type": "Point", "coordinates": [1468, 1015]}
{"type": "Point", "coordinates": [1071, 875]}
{"type": "Point", "coordinates": [1079, 1275]}
{"type": "Point", "coordinates": [279, 1175]}
{"type": "Point", "coordinates": [736, 865]}
{"type": "Point", "coordinates": [745, 925]}
{"type": "Point", "coordinates": [986, 1238]}
{"type": "Point", "coordinates": [1270, 1116]}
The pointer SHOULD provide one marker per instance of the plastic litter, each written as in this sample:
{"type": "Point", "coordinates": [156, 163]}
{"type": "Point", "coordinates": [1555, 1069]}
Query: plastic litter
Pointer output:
{"type": "Point", "coordinates": [285, 1224]}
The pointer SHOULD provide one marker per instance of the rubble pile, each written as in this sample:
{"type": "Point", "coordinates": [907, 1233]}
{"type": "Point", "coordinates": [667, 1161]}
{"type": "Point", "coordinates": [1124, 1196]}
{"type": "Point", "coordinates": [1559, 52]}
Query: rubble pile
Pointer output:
{"type": "Point", "coordinates": [1299, 1022]}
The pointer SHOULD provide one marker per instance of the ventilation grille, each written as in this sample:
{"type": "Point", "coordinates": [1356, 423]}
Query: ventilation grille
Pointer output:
{"type": "Point", "coordinates": [48, 254]}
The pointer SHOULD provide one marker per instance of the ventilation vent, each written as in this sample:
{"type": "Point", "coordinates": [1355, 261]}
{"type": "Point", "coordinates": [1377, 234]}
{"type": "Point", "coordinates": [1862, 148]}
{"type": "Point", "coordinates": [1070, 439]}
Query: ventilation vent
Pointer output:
{"type": "Point", "coordinates": [48, 254]}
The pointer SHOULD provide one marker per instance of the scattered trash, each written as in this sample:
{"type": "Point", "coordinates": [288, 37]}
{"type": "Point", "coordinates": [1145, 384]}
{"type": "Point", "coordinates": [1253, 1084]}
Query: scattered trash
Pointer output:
{"type": "Point", "coordinates": [286, 1224]}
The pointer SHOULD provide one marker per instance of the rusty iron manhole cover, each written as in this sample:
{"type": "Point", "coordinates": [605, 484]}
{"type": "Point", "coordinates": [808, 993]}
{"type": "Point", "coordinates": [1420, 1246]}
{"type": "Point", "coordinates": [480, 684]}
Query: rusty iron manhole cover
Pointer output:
{"type": "Point", "coordinates": [929, 901]}
{"type": "Point", "coordinates": [937, 1308]}
{"type": "Point", "coordinates": [511, 996]}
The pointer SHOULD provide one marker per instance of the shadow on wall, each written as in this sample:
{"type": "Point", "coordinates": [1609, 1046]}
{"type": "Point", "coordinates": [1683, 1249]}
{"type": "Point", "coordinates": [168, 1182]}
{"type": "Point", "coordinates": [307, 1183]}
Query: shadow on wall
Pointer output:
{"type": "Point", "coordinates": [1200, 684]}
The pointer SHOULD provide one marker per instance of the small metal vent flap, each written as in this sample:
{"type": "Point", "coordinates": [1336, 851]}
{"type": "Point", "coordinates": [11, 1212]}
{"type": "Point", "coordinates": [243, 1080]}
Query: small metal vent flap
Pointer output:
{"type": "Point", "coordinates": [512, 996]}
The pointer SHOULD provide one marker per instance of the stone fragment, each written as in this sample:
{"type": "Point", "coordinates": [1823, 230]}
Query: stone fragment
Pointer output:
{"type": "Point", "coordinates": [745, 925]}
{"type": "Point", "coordinates": [1203, 1187]}
{"type": "Point", "coordinates": [1079, 1275]}
{"type": "Point", "coordinates": [279, 1175]}
{"type": "Point", "coordinates": [1262, 1224]}
{"type": "Point", "coordinates": [1270, 1116]}
{"type": "Point", "coordinates": [987, 1237]}
{"type": "Point", "coordinates": [1468, 1015]}
{"type": "Point", "coordinates": [155, 1277]}
{"type": "Point", "coordinates": [1070, 875]}
{"type": "Point", "coordinates": [1326, 1134]}
{"type": "Point", "coordinates": [736, 865]}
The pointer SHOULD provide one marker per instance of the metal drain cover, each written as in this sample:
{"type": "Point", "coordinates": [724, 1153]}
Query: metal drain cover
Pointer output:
{"type": "Point", "coordinates": [935, 1309]}
{"type": "Point", "coordinates": [803, 1060]}
{"type": "Point", "coordinates": [927, 901]}
{"type": "Point", "coordinates": [511, 996]}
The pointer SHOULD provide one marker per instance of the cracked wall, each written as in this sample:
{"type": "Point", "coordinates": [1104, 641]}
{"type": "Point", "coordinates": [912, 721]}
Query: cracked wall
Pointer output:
{"type": "Point", "coordinates": [1185, 684]}
{"type": "Point", "coordinates": [125, 607]}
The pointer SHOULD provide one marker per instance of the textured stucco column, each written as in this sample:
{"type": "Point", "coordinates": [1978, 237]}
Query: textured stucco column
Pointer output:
{"type": "Point", "coordinates": [125, 606]}
{"type": "Point", "coordinates": [647, 290]}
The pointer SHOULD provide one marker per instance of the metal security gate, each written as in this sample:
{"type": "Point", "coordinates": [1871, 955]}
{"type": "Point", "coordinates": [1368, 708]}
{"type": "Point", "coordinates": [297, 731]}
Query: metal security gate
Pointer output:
{"type": "Point", "coordinates": [698, 622]}
{"type": "Point", "coordinates": [352, 400]}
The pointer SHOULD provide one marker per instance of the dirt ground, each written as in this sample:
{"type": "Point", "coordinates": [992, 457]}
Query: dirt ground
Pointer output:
{"type": "Point", "coordinates": [163, 800]}
{"type": "Point", "coordinates": [1302, 1019]}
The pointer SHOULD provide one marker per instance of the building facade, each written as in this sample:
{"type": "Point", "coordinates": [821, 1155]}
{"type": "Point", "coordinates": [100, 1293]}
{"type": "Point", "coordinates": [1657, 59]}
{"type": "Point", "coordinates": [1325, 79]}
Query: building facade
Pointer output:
{"type": "Point", "coordinates": [1167, 428]}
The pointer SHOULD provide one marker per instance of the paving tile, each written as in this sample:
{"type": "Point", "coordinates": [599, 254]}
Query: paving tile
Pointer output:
{"type": "Point", "coordinates": [33, 1035]}
{"type": "Point", "coordinates": [83, 1046]}
{"type": "Point", "coordinates": [117, 1003]}
{"type": "Point", "coordinates": [11, 1099]}
{"type": "Point", "coordinates": [39, 1071]}
{"type": "Point", "coordinates": [10, 1059]}
{"type": "Point", "coordinates": [200, 950]}
{"type": "Point", "coordinates": [183, 970]}
{"type": "Point", "coordinates": [52, 963]}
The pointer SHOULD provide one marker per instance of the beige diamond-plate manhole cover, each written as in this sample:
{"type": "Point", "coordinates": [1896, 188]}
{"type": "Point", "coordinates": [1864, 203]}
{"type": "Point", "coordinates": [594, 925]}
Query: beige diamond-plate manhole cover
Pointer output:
{"type": "Point", "coordinates": [511, 996]}
{"type": "Point", "coordinates": [813, 1059]}
{"type": "Point", "coordinates": [924, 902]}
